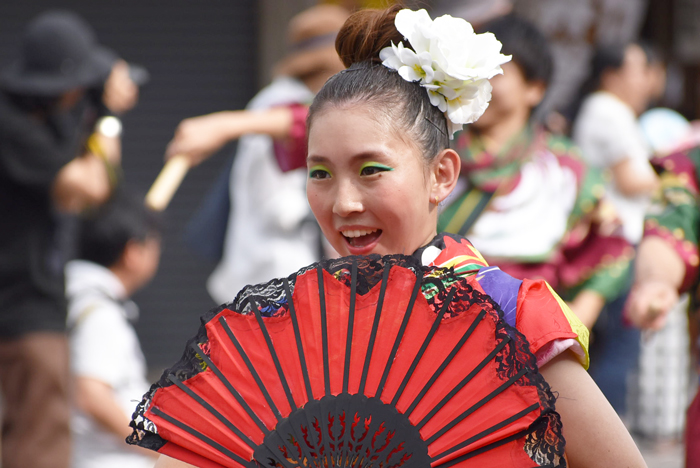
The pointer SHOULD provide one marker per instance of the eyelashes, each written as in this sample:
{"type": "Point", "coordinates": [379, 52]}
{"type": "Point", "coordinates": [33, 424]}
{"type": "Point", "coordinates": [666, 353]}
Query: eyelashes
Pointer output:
{"type": "Point", "coordinates": [370, 168]}
{"type": "Point", "coordinates": [319, 171]}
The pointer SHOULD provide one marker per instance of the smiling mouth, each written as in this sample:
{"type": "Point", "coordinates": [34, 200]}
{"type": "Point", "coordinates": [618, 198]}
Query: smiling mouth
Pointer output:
{"type": "Point", "coordinates": [361, 237]}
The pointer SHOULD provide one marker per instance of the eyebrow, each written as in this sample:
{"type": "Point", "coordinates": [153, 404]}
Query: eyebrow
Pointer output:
{"type": "Point", "coordinates": [364, 156]}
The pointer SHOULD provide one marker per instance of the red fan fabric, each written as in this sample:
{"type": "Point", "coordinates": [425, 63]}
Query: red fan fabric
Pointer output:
{"type": "Point", "coordinates": [505, 381]}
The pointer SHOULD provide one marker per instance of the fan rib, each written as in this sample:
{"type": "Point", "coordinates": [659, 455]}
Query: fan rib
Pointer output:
{"type": "Point", "coordinates": [487, 432]}
{"type": "Point", "coordinates": [477, 405]}
{"type": "Point", "coordinates": [302, 358]}
{"type": "Point", "coordinates": [212, 410]}
{"type": "Point", "coordinates": [230, 388]}
{"type": "Point", "coordinates": [424, 346]}
{"type": "Point", "coordinates": [375, 327]}
{"type": "Point", "coordinates": [273, 354]}
{"type": "Point", "coordinates": [215, 445]}
{"type": "Point", "coordinates": [445, 363]}
{"type": "Point", "coordinates": [251, 368]}
{"type": "Point", "coordinates": [483, 449]}
{"type": "Point", "coordinates": [402, 330]}
{"type": "Point", "coordinates": [351, 323]}
{"type": "Point", "coordinates": [297, 337]}
{"type": "Point", "coordinates": [324, 331]}
{"type": "Point", "coordinates": [464, 382]}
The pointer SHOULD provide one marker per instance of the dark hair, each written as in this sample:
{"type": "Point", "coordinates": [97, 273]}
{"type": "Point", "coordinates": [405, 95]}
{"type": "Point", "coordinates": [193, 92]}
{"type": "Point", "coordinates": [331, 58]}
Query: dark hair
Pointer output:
{"type": "Point", "coordinates": [105, 232]}
{"type": "Point", "coordinates": [366, 80]}
{"type": "Point", "coordinates": [528, 46]}
{"type": "Point", "coordinates": [606, 57]}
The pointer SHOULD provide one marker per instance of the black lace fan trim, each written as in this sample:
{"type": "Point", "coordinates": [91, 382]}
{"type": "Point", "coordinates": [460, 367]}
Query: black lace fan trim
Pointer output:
{"type": "Point", "coordinates": [544, 442]}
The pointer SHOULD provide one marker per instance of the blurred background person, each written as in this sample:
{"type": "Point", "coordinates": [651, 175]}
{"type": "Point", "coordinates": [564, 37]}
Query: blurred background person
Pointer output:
{"type": "Point", "coordinates": [47, 110]}
{"type": "Point", "coordinates": [606, 128]}
{"type": "Point", "coordinates": [118, 254]}
{"type": "Point", "coordinates": [527, 200]}
{"type": "Point", "coordinates": [666, 266]}
{"type": "Point", "coordinates": [660, 388]}
{"type": "Point", "coordinates": [270, 230]}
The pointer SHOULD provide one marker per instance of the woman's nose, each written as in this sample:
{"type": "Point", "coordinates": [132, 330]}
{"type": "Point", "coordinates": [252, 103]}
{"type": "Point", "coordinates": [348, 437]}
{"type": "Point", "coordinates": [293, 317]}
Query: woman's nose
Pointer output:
{"type": "Point", "coordinates": [348, 200]}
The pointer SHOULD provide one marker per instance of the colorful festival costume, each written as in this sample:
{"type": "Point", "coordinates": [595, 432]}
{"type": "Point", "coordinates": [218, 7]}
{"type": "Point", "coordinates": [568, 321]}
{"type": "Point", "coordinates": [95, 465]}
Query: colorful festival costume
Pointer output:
{"type": "Point", "coordinates": [674, 217]}
{"type": "Point", "coordinates": [537, 211]}
{"type": "Point", "coordinates": [395, 360]}
{"type": "Point", "coordinates": [533, 213]}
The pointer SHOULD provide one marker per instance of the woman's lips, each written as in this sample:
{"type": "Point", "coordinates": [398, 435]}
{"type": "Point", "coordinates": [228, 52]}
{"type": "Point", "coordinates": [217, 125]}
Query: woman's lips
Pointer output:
{"type": "Point", "coordinates": [361, 241]}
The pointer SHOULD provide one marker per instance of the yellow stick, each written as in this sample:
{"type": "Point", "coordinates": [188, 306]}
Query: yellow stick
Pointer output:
{"type": "Point", "coordinates": [167, 182]}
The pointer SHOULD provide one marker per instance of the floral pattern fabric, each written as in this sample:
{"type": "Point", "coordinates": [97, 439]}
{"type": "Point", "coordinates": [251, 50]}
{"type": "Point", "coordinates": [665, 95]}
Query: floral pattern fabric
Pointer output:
{"type": "Point", "coordinates": [674, 215]}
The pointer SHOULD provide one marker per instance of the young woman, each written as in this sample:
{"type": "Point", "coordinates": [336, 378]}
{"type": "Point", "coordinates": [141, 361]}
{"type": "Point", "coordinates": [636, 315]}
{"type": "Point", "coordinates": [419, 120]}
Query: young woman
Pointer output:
{"type": "Point", "coordinates": [379, 164]}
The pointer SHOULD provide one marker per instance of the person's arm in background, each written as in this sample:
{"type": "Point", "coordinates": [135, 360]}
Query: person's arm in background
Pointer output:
{"type": "Point", "coordinates": [659, 273]}
{"type": "Point", "coordinates": [200, 137]}
{"type": "Point", "coordinates": [96, 399]}
{"type": "Point", "coordinates": [630, 181]}
{"type": "Point", "coordinates": [667, 260]}
{"type": "Point", "coordinates": [88, 180]}
{"type": "Point", "coordinates": [81, 183]}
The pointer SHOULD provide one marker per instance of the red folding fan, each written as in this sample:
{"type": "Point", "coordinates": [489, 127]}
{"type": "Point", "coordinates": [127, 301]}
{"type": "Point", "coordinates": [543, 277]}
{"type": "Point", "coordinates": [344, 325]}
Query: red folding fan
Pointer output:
{"type": "Point", "coordinates": [356, 362]}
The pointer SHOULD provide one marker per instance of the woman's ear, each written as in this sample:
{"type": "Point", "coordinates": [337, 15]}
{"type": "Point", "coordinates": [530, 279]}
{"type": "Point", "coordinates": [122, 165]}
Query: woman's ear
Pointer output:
{"type": "Point", "coordinates": [444, 173]}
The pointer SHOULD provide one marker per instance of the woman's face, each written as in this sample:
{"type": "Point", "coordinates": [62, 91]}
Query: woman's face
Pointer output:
{"type": "Point", "coordinates": [369, 189]}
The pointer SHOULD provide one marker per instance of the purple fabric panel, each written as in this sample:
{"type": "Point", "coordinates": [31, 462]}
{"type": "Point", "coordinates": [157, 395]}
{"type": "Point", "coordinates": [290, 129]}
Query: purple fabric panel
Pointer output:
{"type": "Point", "coordinates": [503, 289]}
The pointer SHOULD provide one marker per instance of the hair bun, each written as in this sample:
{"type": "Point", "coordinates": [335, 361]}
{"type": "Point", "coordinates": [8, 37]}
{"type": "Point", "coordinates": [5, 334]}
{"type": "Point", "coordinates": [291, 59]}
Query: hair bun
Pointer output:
{"type": "Point", "coordinates": [365, 33]}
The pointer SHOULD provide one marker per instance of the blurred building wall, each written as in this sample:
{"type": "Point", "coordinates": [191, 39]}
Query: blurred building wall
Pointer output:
{"type": "Point", "coordinates": [574, 27]}
{"type": "Point", "coordinates": [273, 18]}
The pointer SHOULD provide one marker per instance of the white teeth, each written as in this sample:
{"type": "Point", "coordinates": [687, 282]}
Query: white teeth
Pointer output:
{"type": "Point", "coordinates": [358, 232]}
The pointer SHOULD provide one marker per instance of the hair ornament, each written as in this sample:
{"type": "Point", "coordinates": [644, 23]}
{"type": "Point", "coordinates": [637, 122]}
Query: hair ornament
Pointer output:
{"type": "Point", "coordinates": [450, 60]}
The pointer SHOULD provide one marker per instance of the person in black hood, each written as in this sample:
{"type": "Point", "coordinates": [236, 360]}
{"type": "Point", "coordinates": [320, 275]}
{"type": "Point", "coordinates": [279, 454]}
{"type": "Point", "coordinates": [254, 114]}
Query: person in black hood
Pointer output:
{"type": "Point", "coordinates": [50, 99]}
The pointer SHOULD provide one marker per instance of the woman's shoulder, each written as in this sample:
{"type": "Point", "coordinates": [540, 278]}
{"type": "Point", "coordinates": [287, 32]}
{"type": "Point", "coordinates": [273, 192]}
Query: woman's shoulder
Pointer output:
{"type": "Point", "coordinates": [535, 310]}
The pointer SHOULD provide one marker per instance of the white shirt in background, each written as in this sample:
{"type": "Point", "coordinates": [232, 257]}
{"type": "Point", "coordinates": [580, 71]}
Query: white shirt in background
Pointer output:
{"type": "Point", "coordinates": [103, 346]}
{"type": "Point", "coordinates": [270, 232]}
{"type": "Point", "coordinates": [607, 131]}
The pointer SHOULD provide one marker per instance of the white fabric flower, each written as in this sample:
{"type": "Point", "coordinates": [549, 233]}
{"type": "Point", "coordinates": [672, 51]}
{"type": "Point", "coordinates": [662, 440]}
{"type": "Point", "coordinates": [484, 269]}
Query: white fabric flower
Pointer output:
{"type": "Point", "coordinates": [449, 60]}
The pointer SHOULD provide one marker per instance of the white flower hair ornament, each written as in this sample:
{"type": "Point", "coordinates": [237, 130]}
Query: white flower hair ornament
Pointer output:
{"type": "Point", "coordinates": [451, 61]}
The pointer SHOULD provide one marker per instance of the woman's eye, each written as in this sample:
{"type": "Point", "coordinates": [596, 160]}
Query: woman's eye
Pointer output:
{"type": "Point", "coordinates": [371, 169]}
{"type": "Point", "coordinates": [319, 173]}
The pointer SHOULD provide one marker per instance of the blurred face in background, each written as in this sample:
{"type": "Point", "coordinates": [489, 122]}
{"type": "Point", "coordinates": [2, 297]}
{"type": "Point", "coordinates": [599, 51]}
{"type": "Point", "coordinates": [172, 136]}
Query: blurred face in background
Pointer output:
{"type": "Point", "coordinates": [512, 99]}
{"type": "Point", "coordinates": [633, 82]}
{"type": "Point", "coordinates": [142, 258]}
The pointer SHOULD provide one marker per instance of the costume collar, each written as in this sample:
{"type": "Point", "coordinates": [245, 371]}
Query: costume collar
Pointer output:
{"type": "Point", "coordinates": [488, 171]}
{"type": "Point", "coordinates": [451, 251]}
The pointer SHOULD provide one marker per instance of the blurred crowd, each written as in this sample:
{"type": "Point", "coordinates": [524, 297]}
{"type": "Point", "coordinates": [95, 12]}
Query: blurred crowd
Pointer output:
{"type": "Point", "coordinates": [598, 196]}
